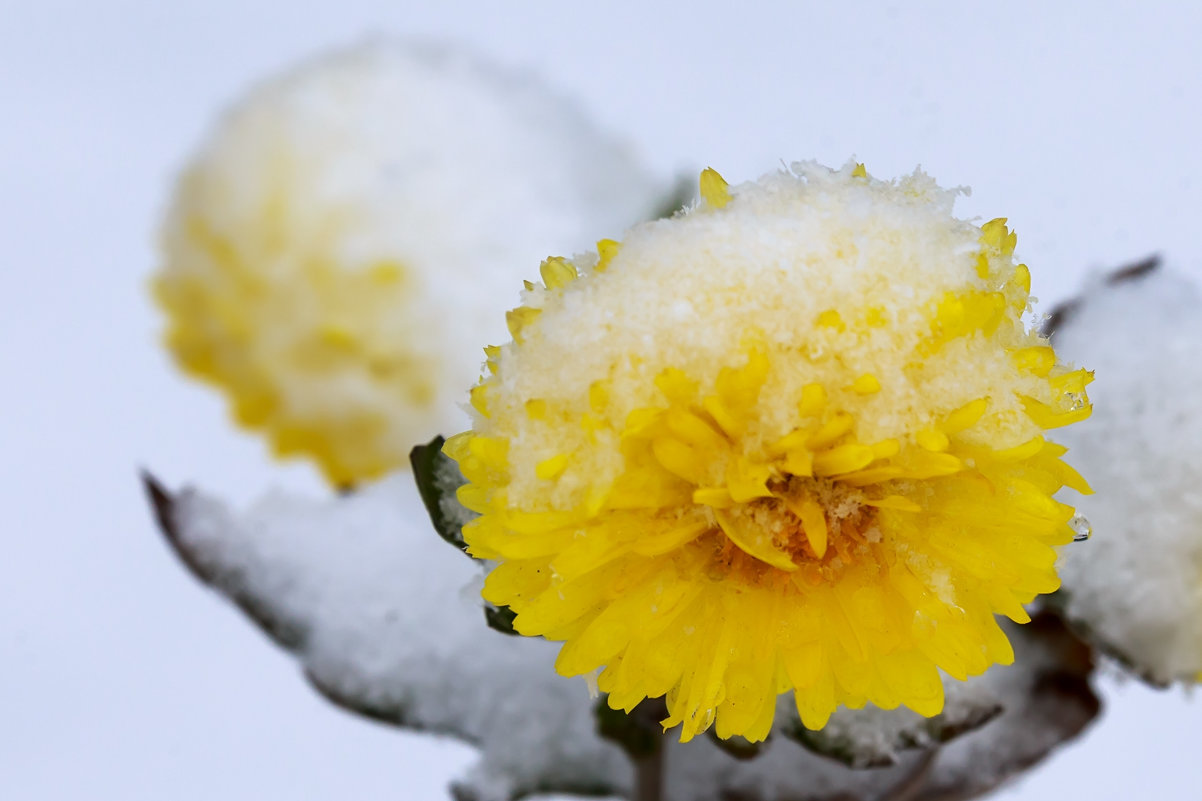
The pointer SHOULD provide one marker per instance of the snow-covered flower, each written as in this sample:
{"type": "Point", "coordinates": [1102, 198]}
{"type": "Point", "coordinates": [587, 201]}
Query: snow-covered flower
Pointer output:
{"type": "Point", "coordinates": [1138, 588]}
{"type": "Point", "coordinates": [791, 439]}
{"type": "Point", "coordinates": [319, 240]}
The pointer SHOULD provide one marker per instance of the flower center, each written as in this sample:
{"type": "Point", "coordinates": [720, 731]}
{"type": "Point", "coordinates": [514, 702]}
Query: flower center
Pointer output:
{"type": "Point", "coordinates": [811, 526]}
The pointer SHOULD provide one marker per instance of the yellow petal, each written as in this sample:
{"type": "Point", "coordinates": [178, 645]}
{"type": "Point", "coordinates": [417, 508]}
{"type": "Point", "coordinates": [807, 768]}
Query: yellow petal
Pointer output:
{"type": "Point", "coordinates": [518, 319]}
{"type": "Point", "coordinates": [866, 384]}
{"type": "Point", "coordinates": [678, 459]}
{"type": "Point", "coordinates": [606, 250]}
{"type": "Point", "coordinates": [843, 459]}
{"type": "Point", "coordinates": [965, 417]}
{"type": "Point", "coordinates": [557, 272]}
{"type": "Point", "coordinates": [1038, 359]}
{"type": "Point", "coordinates": [799, 462]}
{"type": "Point", "coordinates": [813, 400]}
{"type": "Point", "coordinates": [670, 540]}
{"type": "Point", "coordinates": [831, 319]}
{"type": "Point", "coordinates": [753, 540]}
{"type": "Point", "coordinates": [1046, 417]}
{"type": "Point", "coordinates": [831, 431]}
{"type": "Point", "coordinates": [747, 481]}
{"type": "Point", "coordinates": [813, 522]}
{"type": "Point", "coordinates": [897, 502]}
{"type": "Point", "coordinates": [932, 440]}
{"type": "Point", "coordinates": [714, 189]}
{"type": "Point", "coordinates": [552, 468]}
{"type": "Point", "coordinates": [717, 497]}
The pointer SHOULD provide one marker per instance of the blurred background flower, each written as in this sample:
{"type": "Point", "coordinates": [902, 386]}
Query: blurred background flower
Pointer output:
{"type": "Point", "coordinates": [316, 245]}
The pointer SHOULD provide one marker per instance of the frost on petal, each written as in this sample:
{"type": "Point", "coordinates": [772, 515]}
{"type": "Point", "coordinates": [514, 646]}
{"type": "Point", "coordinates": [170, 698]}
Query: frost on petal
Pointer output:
{"type": "Point", "coordinates": [1136, 586]}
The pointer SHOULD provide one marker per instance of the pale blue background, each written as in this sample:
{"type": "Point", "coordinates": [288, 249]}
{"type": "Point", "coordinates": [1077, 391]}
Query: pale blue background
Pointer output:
{"type": "Point", "coordinates": [122, 679]}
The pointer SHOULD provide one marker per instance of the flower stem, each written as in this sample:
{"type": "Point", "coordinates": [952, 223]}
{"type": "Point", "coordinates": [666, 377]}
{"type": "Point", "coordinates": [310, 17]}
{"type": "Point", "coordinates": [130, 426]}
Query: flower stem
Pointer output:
{"type": "Point", "coordinates": [649, 776]}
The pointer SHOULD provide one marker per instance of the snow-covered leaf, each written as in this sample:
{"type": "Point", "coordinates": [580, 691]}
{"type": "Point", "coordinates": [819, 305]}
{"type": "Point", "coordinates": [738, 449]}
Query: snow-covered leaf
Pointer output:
{"type": "Point", "coordinates": [874, 738]}
{"type": "Point", "coordinates": [1133, 589]}
{"type": "Point", "coordinates": [386, 622]}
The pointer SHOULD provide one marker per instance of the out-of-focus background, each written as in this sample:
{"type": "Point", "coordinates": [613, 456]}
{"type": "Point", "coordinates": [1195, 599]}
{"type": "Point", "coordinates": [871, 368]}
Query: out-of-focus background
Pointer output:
{"type": "Point", "coordinates": [120, 678]}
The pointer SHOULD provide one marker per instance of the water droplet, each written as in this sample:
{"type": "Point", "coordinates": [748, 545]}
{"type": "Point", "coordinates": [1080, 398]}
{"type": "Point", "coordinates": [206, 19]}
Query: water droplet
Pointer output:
{"type": "Point", "coordinates": [1080, 524]}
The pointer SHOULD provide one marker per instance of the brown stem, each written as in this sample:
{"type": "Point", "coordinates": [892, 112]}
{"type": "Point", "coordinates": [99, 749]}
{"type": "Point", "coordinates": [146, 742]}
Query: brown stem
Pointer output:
{"type": "Point", "coordinates": [649, 776]}
{"type": "Point", "coordinates": [911, 785]}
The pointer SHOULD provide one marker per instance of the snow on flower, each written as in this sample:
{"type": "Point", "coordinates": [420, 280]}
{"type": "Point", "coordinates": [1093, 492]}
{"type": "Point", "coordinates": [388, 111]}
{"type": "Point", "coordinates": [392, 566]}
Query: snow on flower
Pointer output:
{"type": "Point", "coordinates": [334, 214]}
{"type": "Point", "coordinates": [791, 439]}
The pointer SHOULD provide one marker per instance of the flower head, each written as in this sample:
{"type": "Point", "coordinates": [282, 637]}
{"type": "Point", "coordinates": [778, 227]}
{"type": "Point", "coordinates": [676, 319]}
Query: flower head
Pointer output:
{"type": "Point", "coordinates": [317, 239]}
{"type": "Point", "coordinates": [791, 439]}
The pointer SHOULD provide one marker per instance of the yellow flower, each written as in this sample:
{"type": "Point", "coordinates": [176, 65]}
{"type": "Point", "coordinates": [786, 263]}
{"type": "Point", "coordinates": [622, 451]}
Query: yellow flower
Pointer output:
{"type": "Point", "coordinates": [317, 239]}
{"type": "Point", "coordinates": [790, 440]}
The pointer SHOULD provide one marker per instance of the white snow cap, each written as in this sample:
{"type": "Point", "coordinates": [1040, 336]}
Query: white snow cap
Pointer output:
{"type": "Point", "coordinates": [349, 235]}
{"type": "Point", "coordinates": [1137, 585]}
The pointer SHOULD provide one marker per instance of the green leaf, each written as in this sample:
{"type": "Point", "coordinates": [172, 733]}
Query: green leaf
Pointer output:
{"type": "Point", "coordinates": [683, 191]}
{"type": "Point", "coordinates": [881, 736]}
{"type": "Point", "coordinates": [500, 618]}
{"type": "Point", "coordinates": [438, 478]}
